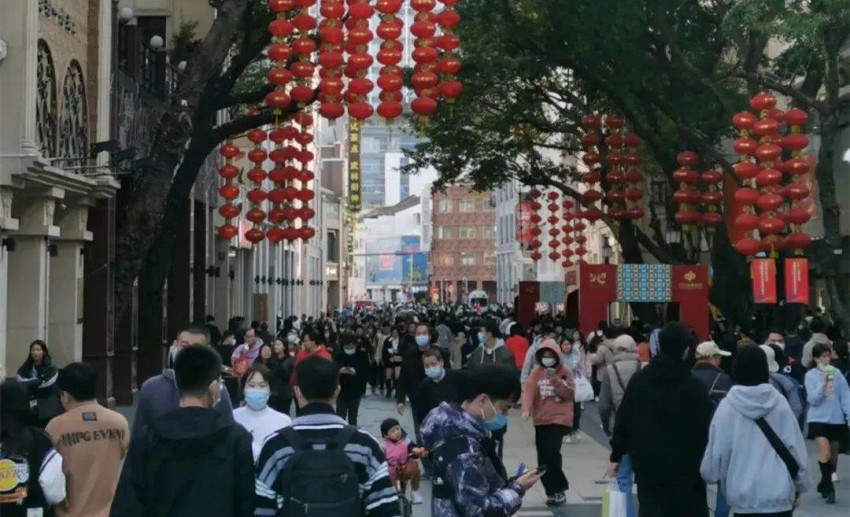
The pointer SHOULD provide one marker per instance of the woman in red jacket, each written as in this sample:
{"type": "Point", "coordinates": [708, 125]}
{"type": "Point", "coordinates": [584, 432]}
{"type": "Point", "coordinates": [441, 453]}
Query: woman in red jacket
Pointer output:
{"type": "Point", "coordinates": [517, 344]}
{"type": "Point", "coordinates": [548, 398]}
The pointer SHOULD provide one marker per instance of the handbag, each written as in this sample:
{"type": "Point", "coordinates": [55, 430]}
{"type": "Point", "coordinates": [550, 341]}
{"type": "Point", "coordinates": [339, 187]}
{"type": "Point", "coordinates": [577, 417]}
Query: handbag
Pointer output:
{"type": "Point", "coordinates": [614, 502]}
{"type": "Point", "coordinates": [583, 390]}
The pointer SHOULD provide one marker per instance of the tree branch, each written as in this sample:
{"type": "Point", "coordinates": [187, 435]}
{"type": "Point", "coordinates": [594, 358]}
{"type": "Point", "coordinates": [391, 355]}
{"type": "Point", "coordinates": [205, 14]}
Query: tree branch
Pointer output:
{"type": "Point", "coordinates": [795, 94]}
{"type": "Point", "coordinates": [251, 97]}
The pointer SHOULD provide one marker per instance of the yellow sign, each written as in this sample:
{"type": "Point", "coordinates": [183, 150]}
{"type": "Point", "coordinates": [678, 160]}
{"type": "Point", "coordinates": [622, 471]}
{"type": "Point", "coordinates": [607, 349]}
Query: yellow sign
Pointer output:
{"type": "Point", "coordinates": [354, 165]}
{"type": "Point", "coordinates": [13, 481]}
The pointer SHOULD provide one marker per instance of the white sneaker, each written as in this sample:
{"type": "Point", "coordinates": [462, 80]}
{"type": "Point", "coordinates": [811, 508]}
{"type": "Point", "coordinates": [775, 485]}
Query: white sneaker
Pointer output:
{"type": "Point", "coordinates": [835, 477]}
{"type": "Point", "coordinates": [416, 497]}
{"type": "Point", "coordinates": [568, 439]}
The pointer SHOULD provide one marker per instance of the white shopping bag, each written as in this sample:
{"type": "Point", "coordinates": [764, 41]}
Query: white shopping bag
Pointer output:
{"type": "Point", "coordinates": [584, 390]}
{"type": "Point", "coordinates": [613, 501]}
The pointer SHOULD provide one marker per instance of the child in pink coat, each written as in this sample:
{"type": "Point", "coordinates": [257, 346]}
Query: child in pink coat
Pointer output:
{"type": "Point", "coordinates": [548, 398]}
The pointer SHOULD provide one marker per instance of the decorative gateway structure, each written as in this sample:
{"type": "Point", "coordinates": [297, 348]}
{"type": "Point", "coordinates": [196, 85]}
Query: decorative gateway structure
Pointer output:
{"type": "Point", "coordinates": [343, 33]}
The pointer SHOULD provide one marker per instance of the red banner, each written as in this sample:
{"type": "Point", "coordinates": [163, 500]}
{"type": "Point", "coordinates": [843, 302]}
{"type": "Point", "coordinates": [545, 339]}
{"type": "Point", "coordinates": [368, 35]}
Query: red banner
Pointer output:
{"type": "Point", "coordinates": [597, 288]}
{"type": "Point", "coordinates": [797, 280]}
{"type": "Point", "coordinates": [690, 289]}
{"type": "Point", "coordinates": [529, 295]}
{"type": "Point", "coordinates": [731, 208]}
{"type": "Point", "coordinates": [764, 280]}
{"type": "Point", "coordinates": [523, 223]}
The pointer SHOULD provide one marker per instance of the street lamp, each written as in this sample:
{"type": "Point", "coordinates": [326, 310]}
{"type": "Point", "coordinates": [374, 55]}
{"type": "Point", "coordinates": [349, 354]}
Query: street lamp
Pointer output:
{"type": "Point", "coordinates": [157, 42]}
{"type": "Point", "coordinates": [125, 14]}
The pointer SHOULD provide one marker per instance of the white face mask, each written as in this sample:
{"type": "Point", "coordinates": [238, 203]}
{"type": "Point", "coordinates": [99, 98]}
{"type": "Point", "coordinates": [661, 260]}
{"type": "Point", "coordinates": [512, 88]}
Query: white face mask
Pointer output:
{"type": "Point", "coordinates": [548, 362]}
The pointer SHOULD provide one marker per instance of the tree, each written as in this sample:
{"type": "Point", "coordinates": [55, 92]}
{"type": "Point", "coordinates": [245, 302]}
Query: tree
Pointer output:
{"type": "Point", "coordinates": [677, 70]}
{"type": "Point", "coordinates": [220, 74]}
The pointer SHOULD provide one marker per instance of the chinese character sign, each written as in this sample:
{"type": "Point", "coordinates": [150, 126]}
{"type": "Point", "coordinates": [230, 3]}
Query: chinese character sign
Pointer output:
{"type": "Point", "coordinates": [354, 165]}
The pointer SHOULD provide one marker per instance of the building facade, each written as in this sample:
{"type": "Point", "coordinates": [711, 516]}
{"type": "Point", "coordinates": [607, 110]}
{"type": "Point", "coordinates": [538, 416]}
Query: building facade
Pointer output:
{"type": "Point", "coordinates": [462, 243]}
{"type": "Point", "coordinates": [55, 104]}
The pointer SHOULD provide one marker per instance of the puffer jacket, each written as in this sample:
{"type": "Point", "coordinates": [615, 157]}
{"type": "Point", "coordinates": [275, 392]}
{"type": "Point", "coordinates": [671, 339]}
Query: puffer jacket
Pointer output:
{"type": "Point", "coordinates": [549, 401]}
{"type": "Point", "coordinates": [469, 477]}
{"type": "Point", "coordinates": [603, 356]}
{"type": "Point", "coordinates": [624, 365]}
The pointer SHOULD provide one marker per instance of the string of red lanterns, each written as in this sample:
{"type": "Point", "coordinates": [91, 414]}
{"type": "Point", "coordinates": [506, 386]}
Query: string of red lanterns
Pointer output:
{"type": "Point", "coordinates": [590, 141]}
{"type": "Point", "coordinates": [359, 60]}
{"type": "Point", "coordinates": [553, 221]}
{"type": "Point", "coordinates": [449, 65]}
{"type": "Point", "coordinates": [390, 55]}
{"type": "Point", "coordinates": [796, 190]}
{"type": "Point", "coordinates": [712, 198]}
{"type": "Point", "coordinates": [535, 231]}
{"type": "Point", "coordinates": [424, 80]}
{"type": "Point", "coordinates": [228, 172]}
{"type": "Point", "coordinates": [331, 59]}
{"type": "Point", "coordinates": [305, 175]}
{"type": "Point", "coordinates": [688, 195]}
{"type": "Point", "coordinates": [568, 217]}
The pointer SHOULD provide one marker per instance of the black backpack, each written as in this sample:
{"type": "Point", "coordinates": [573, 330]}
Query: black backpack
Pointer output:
{"type": "Point", "coordinates": [319, 482]}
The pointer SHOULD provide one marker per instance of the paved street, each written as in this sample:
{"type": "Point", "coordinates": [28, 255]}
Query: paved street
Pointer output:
{"type": "Point", "coordinates": [585, 464]}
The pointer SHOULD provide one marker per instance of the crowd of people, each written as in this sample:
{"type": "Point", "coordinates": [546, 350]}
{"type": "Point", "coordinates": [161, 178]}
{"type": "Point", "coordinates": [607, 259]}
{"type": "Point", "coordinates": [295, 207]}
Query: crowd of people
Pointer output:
{"type": "Point", "coordinates": [268, 419]}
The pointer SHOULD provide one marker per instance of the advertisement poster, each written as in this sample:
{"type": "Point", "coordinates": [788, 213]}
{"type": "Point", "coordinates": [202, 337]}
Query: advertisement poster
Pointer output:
{"type": "Point", "coordinates": [396, 261]}
{"type": "Point", "coordinates": [797, 280]}
{"type": "Point", "coordinates": [523, 224]}
{"type": "Point", "coordinates": [764, 280]}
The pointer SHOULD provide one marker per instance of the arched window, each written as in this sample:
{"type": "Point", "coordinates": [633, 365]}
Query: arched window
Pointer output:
{"type": "Point", "coordinates": [73, 136]}
{"type": "Point", "coordinates": [45, 108]}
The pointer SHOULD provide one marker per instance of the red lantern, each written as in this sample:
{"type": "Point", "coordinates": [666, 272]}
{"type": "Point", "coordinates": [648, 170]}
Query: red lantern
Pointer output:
{"type": "Point", "coordinates": [227, 231]}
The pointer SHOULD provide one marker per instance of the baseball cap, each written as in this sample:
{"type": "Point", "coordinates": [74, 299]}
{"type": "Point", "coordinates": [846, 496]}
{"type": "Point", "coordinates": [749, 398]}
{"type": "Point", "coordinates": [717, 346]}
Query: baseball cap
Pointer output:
{"type": "Point", "coordinates": [708, 349]}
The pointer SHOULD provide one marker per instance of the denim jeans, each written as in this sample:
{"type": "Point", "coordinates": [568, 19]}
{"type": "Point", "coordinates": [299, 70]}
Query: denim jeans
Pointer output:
{"type": "Point", "coordinates": [624, 481]}
{"type": "Point", "coordinates": [721, 508]}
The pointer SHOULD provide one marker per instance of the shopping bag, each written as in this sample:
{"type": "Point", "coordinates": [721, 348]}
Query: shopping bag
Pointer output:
{"type": "Point", "coordinates": [584, 390]}
{"type": "Point", "coordinates": [614, 502]}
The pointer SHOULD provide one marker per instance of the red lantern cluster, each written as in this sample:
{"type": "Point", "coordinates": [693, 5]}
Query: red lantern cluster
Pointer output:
{"type": "Point", "coordinates": [688, 195]}
{"type": "Point", "coordinates": [796, 189]}
{"type": "Point", "coordinates": [424, 79]}
{"type": "Point", "coordinates": [256, 195]}
{"type": "Point", "coordinates": [568, 216]}
{"type": "Point", "coordinates": [591, 140]}
{"type": "Point", "coordinates": [228, 191]}
{"type": "Point", "coordinates": [305, 175]}
{"type": "Point", "coordinates": [390, 55]}
{"type": "Point", "coordinates": [712, 199]}
{"type": "Point", "coordinates": [279, 53]}
{"type": "Point", "coordinates": [303, 47]}
{"type": "Point", "coordinates": [359, 60]}
{"type": "Point", "coordinates": [535, 243]}
{"type": "Point", "coordinates": [331, 35]}
{"type": "Point", "coordinates": [622, 175]}
{"type": "Point", "coordinates": [760, 169]}
{"type": "Point", "coordinates": [449, 64]}
{"type": "Point", "coordinates": [553, 220]}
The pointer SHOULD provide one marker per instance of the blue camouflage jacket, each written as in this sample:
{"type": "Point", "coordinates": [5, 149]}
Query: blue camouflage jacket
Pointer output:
{"type": "Point", "coordinates": [470, 479]}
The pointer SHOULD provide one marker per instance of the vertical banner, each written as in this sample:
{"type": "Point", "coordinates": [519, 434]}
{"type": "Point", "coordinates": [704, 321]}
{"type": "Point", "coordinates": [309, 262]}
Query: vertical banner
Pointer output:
{"type": "Point", "coordinates": [529, 295]}
{"type": "Point", "coordinates": [597, 289]}
{"type": "Point", "coordinates": [732, 209]}
{"type": "Point", "coordinates": [764, 280]}
{"type": "Point", "coordinates": [797, 280]}
{"type": "Point", "coordinates": [354, 198]}
{"type": "Point", "coordinates": [690, 290]}
{"type": "Point", "coordinates": [524, 224]}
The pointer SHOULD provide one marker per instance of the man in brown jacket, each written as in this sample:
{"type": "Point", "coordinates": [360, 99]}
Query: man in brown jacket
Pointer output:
{"type": "Point", "coordinates": [92, 441]}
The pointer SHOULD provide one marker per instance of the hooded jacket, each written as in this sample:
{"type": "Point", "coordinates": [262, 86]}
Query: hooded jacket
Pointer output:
{"type": "Point", "coordinates": [663, 423]}
{"type": "Point", "coordinates": [192, 461]}
{"type": "Point", "coordinates": [498, 355]}
{"type": "Point", "coordinates": [739, 456]}
{"type": "Point", "coordinates": [470, 478]}
{"type": "Point", "coordinates": [625, 363]}
{"type": "Point", "coordinates": [549, 399]}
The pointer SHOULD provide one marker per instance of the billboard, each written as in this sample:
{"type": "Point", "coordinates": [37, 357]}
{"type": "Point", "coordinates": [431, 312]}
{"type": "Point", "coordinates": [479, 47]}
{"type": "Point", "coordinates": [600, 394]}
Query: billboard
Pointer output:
{"type": "Point", "coordinates": [396, 261]}
{"type": "Point", "coordinates": [354, 181]}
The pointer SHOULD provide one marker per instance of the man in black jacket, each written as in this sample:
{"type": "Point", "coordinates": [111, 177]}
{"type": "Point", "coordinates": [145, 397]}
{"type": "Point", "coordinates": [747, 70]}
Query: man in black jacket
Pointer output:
{"type": "Point", "coordinates": [412, 368]}
{"type": "Point", "coordinates": [662, 424]}
{"type": "Point", "coordinates": [440, 385]}
{"type": "Point", "coordinates": [192, 461]}
{"type": "Point", "coordinates": [707, 369]}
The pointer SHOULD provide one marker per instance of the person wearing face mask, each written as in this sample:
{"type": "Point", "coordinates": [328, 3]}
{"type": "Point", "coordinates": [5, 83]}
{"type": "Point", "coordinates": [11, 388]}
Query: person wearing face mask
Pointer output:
{"type": "Point", "coordinates": [829, 411]}
{"type": "Point", "coordinates": [469, 477]}
{"type": "Point", "coordinates": [256, 416]}
{"type": "Point", "coordinates": [193, 460]}
{"type": "Point", "coordinates": [159, 394]}
{"type": "Point", "coordinates": [353, 374]}
{"type": "Point", "coordinates": [548, 398]}
{"type": "Point", "coordinates": [412, 367]}
{"type": "Point", "coordinates": [491, 350]}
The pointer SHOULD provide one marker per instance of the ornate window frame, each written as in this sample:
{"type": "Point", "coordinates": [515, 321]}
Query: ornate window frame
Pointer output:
{"type": "Point", "coordinates": [46, 113]}
{"type": "Point", "coordinates": [73, 136]}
